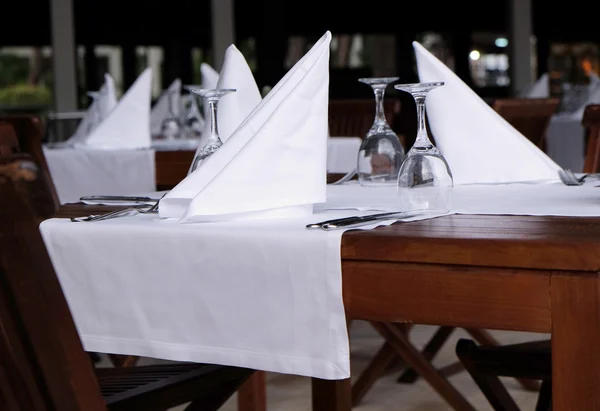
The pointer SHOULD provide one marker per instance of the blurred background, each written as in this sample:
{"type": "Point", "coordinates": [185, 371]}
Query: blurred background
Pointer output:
{"type": "Point", "coordinates": [53, 51]}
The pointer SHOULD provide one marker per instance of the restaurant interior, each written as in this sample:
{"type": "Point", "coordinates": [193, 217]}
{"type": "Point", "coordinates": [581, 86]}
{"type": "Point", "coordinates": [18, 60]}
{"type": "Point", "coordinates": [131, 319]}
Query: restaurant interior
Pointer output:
{"type": "Point", "coordinates": [176, 178]}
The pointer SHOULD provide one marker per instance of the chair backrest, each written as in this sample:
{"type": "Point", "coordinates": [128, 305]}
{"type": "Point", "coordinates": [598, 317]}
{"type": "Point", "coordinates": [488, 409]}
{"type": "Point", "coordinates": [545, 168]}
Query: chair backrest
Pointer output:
{"type": "Point", "coordinates": [44, 366]}
{"type": "Point", "coordinates": [8, 139]}
{"type": "Point", "coordinates": [531, 116]}
{"type": "Point", "coordinates": [591, 123]}
{"type": "Point", "coordinates": [354, 118]}
{"type": "Point", "coordinates": [30, 132]}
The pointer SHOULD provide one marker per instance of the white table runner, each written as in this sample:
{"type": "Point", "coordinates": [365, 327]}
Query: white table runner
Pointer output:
{"type": "Point", "coordinates": [258, 294]}
{"type": "Point", "coordinates": [82, 172]}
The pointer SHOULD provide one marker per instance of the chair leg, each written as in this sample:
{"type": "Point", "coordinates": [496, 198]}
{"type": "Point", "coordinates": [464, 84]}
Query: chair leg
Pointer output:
{"type": "Point", "coordinates": [415, 359]}
{"type": "Point", "coordinates": [491, 386]}
{"type": "Point", "coordinates": [431, 349]}
{"type": "Point", "coordinates": [544, 402]}
{"type": "Point", "coordinates": [483, 337]}
{"type": "Point", "coordinates": [384, 357]}
{"type": "Point", "coordinates": [123, 360]}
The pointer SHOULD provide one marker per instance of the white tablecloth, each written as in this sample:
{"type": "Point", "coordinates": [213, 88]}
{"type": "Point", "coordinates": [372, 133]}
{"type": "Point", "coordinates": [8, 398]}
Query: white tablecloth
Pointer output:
{"type": "Point", "coordinates": [342, 153]}
{"type": "Point", "coordinates": [565, 142]}
{"type": "Point", "coordinates": [82, 172]}
{"type": "Point", "coordinates": [258, 294]}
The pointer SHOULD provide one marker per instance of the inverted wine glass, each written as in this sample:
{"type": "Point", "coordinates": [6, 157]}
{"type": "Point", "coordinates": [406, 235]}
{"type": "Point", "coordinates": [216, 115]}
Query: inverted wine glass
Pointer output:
{"type": "Point", "coordinates": [425, 180]}
{"type": "Point", "coordinates": [171, 125]}
{"type": "Point", "coordinates": [381, 153]}
{"type": "Point", "coordinates": [213, 142]}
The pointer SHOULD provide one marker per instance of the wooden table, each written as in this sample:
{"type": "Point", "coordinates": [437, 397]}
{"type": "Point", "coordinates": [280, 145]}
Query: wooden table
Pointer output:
{"type": "Point", "coordinates": [520, 273]}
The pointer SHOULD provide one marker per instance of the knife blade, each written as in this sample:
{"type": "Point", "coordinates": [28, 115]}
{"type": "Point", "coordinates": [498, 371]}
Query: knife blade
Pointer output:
{"type": "Point", "coordinates": [347, 221]}
{"type": "Point", "coordinates": [117, 198]}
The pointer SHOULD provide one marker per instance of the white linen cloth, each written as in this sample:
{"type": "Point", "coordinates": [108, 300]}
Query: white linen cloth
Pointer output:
{"type": "Point", "coordinates": [83, 172]}
{"type": "Point", "coordinates": [128, 125]}
{"type": "Point", "coordinates": [479, 145]}
{"type": "Point", "coordinates": [342, 153]}
{"type": "Point", "coordinates": [160, 110]}
{"type": "Point", "coordinates": [274, 163]}
{"type": "Point", "coordinates": [551, 199]}
{"type": "Point", "coordinates": [173, 291]}
{"type": "Point", "coordinates": [539, 89]}
{"type": "Point", "coordinates": [97, 112]}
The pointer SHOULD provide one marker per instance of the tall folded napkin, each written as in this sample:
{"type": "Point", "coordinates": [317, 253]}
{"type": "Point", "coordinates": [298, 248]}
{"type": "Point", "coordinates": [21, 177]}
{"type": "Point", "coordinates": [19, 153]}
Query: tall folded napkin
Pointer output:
{"type": "Point", "coordinates": [160, 110]}
{"type": "Point", "coordinates": [479, 145]}
{"type": "Point", "coordinates": [98, 111]}
{"type": "Point", "coordinates": [274, 164]}
{"type": "Point", "coordinates": [233, 109]}
{"type": "Point", "coordinates": [128, 125]}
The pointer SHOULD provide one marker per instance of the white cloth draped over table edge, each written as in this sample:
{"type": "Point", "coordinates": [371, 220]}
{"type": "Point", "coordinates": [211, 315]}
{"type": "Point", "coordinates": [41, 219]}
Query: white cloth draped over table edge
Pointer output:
{"type": "Point", "coordinates": [173, 291]}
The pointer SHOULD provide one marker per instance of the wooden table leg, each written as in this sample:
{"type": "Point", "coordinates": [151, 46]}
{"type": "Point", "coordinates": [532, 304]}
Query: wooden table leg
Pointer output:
{"type": "Point", "coordinates": [575, 305]}
{"type": "Point", "coordinates": [252, 395]}
{"type": "Point", "coordinates": [331, 395]}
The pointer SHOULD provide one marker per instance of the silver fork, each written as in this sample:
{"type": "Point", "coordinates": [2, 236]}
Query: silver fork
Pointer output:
{"type": "Point", "coordinates": [119, 213]}
{"type": "Point", "coordinates": [569, 178]}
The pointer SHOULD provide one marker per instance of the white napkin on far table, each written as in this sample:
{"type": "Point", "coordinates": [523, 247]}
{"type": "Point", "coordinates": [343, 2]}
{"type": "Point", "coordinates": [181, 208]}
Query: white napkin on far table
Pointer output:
{"type": "Point", "coordinates": [234, 107]}
{"type": "Point", "coordinates": [128, 125]}
{"type": "Point", "coordinates": [101, 107]}
{"type": "Point", "coordinates": [539, 89]}
{"type": "Point", "coordinates": [160, 110]}
{"type": "Point", "coordinates": [274, 164]}
{"type": "Point", "coordinates": [480, 146]}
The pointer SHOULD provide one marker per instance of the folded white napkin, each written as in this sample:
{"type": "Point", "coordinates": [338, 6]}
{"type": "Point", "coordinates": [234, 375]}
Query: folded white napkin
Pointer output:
{"type": "Point", "coordinates": [539, 89]}
{"type": "Point", "coordinates": [98, 111]}
{"type": "Point", "coordinates": [479, 145]}
{"type": "Point", "coordinates": [210, 76]}
{"type": "Point", "coordinates": [274, 164]}
{"type": "Point", "coordinates": [128, 125]}
{"type": "Point", "coordinates": [160, 110]}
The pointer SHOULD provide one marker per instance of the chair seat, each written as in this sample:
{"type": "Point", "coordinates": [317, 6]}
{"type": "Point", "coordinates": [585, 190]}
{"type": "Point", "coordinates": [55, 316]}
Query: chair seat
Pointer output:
{"type": "Point", "coordinates": [159, 387]}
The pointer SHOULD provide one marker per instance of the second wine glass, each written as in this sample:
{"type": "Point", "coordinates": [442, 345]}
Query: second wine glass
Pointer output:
{"type": "Point", "coordinates": [213, 142]}
{"type": "Point", "coordinates": [381, 153]}
{"type": "Point", "coordinates": [425, 181]}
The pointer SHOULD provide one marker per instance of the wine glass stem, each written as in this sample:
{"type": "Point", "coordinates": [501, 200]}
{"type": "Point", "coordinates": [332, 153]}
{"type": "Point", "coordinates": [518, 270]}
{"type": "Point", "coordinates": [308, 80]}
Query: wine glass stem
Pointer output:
{"type": "Point", "coordinates": [422, 139]}
{"type": "Point", "coordinates": [214, 131]}
{"type": "Point", "coordinates": [379, 111]}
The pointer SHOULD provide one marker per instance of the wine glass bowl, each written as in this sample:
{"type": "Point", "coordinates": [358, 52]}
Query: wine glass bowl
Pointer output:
{"type": "Point", "coordinates": [381, 153]}
{"type": "Point", "coordinates": [425, 180]}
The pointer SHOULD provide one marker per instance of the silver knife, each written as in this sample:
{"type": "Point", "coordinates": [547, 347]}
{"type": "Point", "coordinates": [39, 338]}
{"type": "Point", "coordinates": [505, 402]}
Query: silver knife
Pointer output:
{"type": "Point", "coordinates": [117, 198]}
{"type": "Point", "coordinates": [359, 220]}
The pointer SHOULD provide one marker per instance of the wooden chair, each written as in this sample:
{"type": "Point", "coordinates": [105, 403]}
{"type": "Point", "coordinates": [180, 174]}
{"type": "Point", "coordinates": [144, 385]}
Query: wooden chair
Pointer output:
{"type": "Point", "coordinates": [591, 122]}
{"type": "Point", "coordinates": [30, 132]}
{"type": "Point", "coordinates": [8, 139]}
{"type": "Point", "coordinates": [528, 360]}
{"type": "Point", "coordinates": [44, 366]}
{"type": "Point", "coordinates": [530, 116]}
